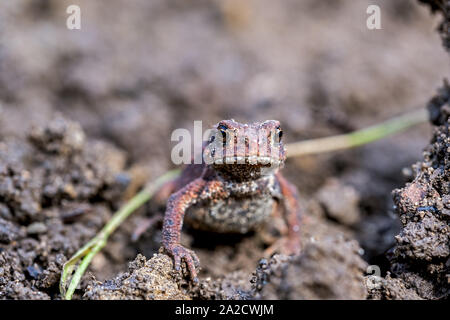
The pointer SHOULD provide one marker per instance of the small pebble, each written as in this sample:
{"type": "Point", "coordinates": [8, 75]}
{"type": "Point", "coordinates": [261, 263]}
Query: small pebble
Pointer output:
{"type": "Point", "coordinates": [36, 228]}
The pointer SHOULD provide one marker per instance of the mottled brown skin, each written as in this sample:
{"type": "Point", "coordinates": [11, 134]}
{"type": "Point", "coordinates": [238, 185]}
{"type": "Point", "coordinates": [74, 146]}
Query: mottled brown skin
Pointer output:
{"type": "Point", "coordinates": [236, 189]}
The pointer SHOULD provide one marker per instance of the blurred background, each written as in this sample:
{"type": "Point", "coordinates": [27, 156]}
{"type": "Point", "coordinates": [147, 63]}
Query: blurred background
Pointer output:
{"type": "Point", "coordinates": [139, 69]}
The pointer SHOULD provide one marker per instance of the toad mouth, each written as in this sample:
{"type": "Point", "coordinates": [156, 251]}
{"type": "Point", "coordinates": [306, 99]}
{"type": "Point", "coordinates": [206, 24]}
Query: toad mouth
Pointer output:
{"type": "Point", "coordinates": [248, 160]}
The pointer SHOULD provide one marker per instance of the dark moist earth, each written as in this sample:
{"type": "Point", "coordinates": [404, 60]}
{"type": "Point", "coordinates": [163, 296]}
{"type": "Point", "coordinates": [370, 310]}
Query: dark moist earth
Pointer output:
{"type": "Point", "coordinates": [86, 118]}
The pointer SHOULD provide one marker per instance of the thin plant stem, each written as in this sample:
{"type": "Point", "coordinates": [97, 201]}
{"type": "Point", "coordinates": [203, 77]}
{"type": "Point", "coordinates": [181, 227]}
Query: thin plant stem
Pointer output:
{"type": "Point", "coordinates": [357, 138]}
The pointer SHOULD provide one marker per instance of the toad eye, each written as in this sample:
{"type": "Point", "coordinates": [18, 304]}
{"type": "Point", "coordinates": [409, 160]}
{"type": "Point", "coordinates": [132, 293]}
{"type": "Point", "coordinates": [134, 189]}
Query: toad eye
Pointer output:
{"type": "Point", "coordinates": [279, 134]}
{"type": "Point", "coordinates": [223, 129]}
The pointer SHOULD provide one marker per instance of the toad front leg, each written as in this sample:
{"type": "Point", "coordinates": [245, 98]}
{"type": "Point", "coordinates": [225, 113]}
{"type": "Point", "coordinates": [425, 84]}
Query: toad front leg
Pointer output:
{"type": "Point", "coordinates": [290, 244]}
{"type": "Point", "coordinates": [173, 222]}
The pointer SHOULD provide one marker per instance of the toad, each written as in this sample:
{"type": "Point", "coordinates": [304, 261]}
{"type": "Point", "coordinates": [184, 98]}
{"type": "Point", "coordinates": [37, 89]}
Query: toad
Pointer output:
{"type": "Point", "coordinates": [236, 188]}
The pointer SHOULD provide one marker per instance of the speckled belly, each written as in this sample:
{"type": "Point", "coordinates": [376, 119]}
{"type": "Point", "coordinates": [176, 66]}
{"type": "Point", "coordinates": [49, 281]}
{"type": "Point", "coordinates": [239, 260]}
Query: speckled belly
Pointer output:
{"type": "Point", "coordinates": [233, 215]}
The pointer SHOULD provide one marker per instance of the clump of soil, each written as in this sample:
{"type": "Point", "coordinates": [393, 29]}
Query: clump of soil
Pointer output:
{"type": "Point", "coordinates": [232, 286]}
{"type": "Point", "coordinates": [56, 191]}
{"type": "Point", "coordinates": [154, 279]}
{"type": "Point", "coordinates": [328, 269]}
{"type": "Point", "coordinates": [340, 202]}
{"type": "Point", "coordinates": [390, 288]}
{"type": "Point", "coordinates": [420, 258]}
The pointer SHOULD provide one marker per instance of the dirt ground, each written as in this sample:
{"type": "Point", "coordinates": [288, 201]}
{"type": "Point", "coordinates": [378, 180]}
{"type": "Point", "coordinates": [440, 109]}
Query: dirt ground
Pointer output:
{"type": "Point", "coordinates": [86, 118]}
